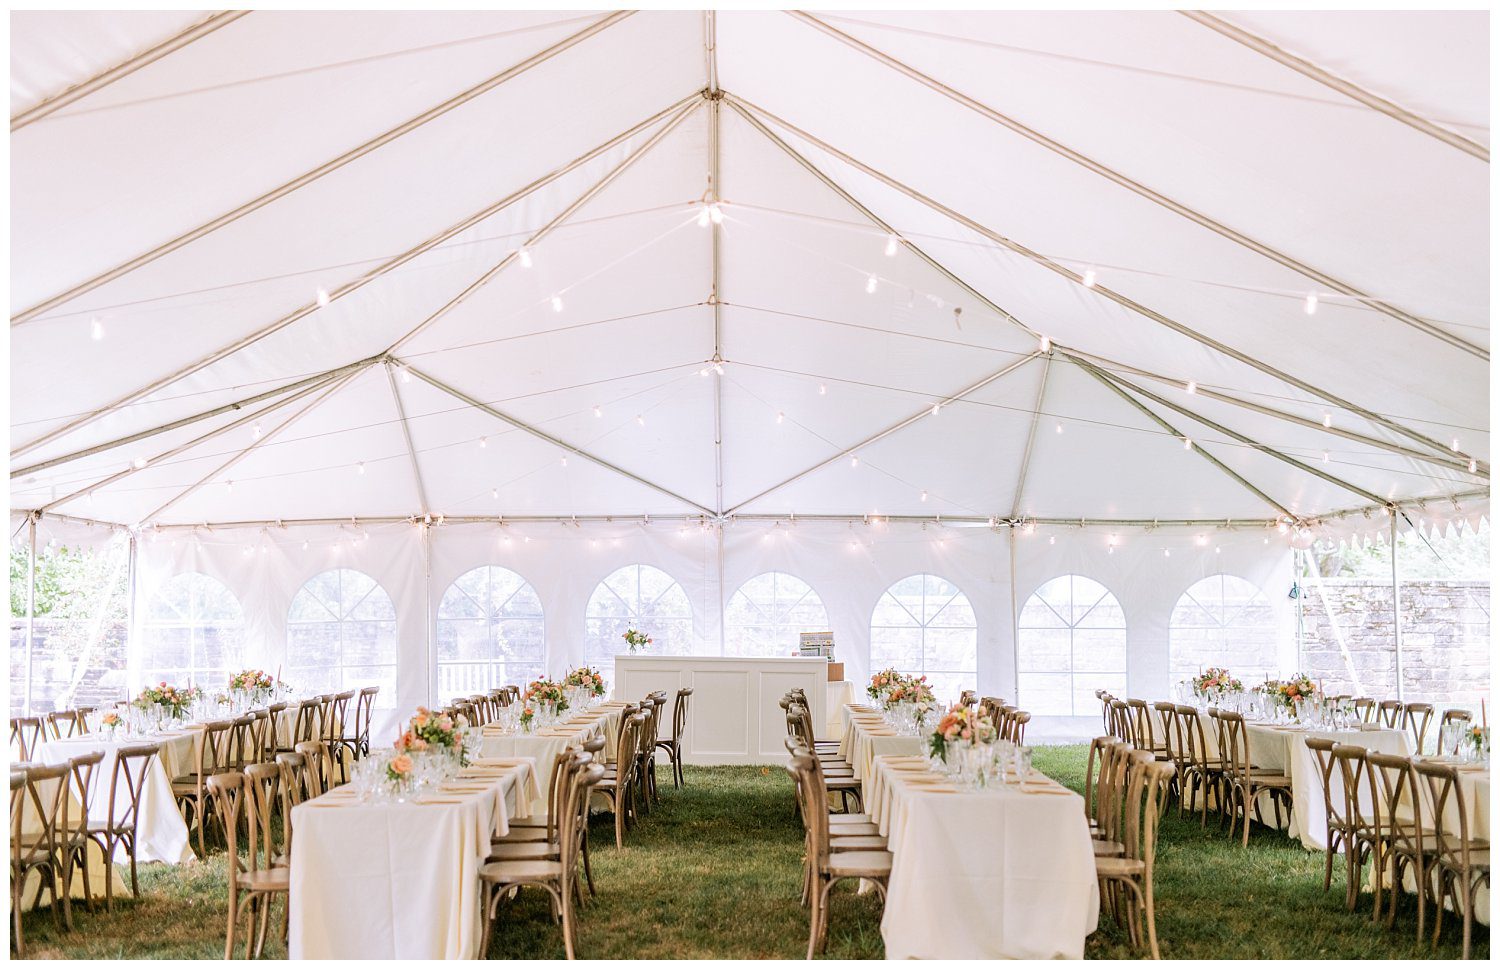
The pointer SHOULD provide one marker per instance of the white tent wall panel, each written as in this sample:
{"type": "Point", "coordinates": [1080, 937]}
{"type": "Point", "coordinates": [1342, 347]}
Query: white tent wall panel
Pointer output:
{"type": "Point", "coordinates": [564, 562]}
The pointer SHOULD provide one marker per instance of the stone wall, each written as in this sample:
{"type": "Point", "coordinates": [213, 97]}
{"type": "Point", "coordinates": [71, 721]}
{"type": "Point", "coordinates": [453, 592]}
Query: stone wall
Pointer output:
{"type": "Point", "coordinates": [1445, 637]}
{"type": "Point", "coordinates": [70, 668]}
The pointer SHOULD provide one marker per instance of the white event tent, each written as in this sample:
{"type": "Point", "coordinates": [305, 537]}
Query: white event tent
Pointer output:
{"type": "Point", "coordinates": [993, 297]}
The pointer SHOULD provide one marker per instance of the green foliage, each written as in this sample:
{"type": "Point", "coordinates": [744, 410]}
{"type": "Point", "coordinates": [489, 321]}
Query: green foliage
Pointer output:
{"type": "Point", "coordinates": [68, 582]}
{"type": "Point", "coordinates": [714, 871]}
{"type": "Point", "coordinates": [1464, 555]}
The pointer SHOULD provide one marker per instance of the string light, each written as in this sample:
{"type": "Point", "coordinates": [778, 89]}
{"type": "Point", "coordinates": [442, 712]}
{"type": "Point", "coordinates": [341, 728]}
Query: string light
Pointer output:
{"type": "Point", "coordinates": [598, 413]}
{"type": "Point", "coordinates": [525, 255]}
{"type": "Point", "coordinates": [139, 463]}
{"type": "Point", "coordinates": [1192, 387]}
{"type": "Point", "coordinates": [1311, 306]}
{"type": "Point", "coordinates": [483, 442]}
{"type": "Point", "coordinates": [1187, 444]}
{"type": "Point", "coordinates": [640, 419]}
{"type": "Point", "coordinates": [494, 493]}
{"type": "Point", "coordinates": [405, 375]}
{"type": "Point", "coordinates": [323, 298]}
{"type": "Point", "coordinates": [1201, 540]}
{"type": "Point", "coordinates": [871, 283]}
{"type": "Point", "coordinates": [556, 303]}
{"type": "Point", "coordinates": [361, 468]}
{"type": "Point", "coordinates": [936, 408]}
{"type": "Point", "coordinates": [1327, 420]}
{"type": "Point", "coordinates": [1167, 553]}
{"type": "Point", "coordinates": [1046, 344]}
{"type": "Point", "coordinates": [1455, 444]}
{"type": "Point", "coordinates": [780, 417]}
{"type": "Point", "coordinates": [891, 244]}
{"type": "Point", "coordinates": [563, 461]}
{"type": "Point", "coordinates": [822, 389]}
{"type": "Point", "coordinates": [1089, 278]}
{"type": "Point", "coordinates": [1473, 466]}
{"type": "Point", "coordinates": [96, 328]}
{"type": "Point", "coordinates": [255, 431]}
{"type": "Point", "coordinates": [924, 494]}
{"type": "Point", "coordinates": [229, 486]}
{"type": "Point", "coordinates": [1325, 457]}
{"type": "Point", "coordinates": [703, 217]}
{"type": "Point", "coordinates": [1059, 427]}
{"type": "Point", "coordinates": [1052, 540]}
{"type": "Point", "coordinates": [853, 461]}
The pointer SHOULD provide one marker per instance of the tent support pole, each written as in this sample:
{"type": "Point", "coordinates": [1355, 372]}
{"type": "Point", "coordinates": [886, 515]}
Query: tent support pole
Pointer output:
{"type": "Point", "coordinates": [239, 456]}
{"type": "Point", "coordinates": [427, 617]}
{"type": "Point", "coordinates": [1166, 426]}
{"type": "Point", "coordinates": [1124, 181]}
{"type": "Point", "coordinates": [557, 442]}
{"type": "Point", "coordinates": [489, 275]}
{"type": "Point", "coordinates": [1396, 612]}
{"type": "Point", "coordinates": [1347, 88]}
{"type": "Point", "coordinates": [716, 249]}
{"type": "Point", "coordinates": [349, 287]}
{"type": "Point", "coordinates": [1481, 468]}
{"type": "Point", "coordinates": [333, 165]}
{"type": "Point", "coordinates": [189, 445]}
{"type": "Point", "coordinates": [132, 615]}
{"type": "Point", "coordinates": [194, 418]}
{"type": "Point", "coordinates": [1246, 440]}
{"type": "Point", "coordinates": [1036, 419]}
{"type": "Point", "coordinates": [745, 107]}
{"type": "Point", "coordinates": [124, 69]}
{"type": "Point", "coordinates": [982, 382]}
{"type": "Point", "coordinates": [411, 449]}
{"type": "Point", "coordinates": [30, 606]}
{"type": "Point", "coordinates": [1333, 623]}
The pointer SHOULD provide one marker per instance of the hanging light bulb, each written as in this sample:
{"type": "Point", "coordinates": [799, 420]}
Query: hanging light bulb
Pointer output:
{"type": "Point", "coordinates": [139, 463]}
{"type": "Point", "coordinates": [1187, 444]}
{"type": "Point", "coordinates": [597, 412]}
{"type": "Point", "coordinates": [1089, 278]}
{"type": "Point", "coordinates": [871, 283]}
{"type": "Point", "coordinates": [483, 442]}
{"type": "Point", "coordinates": [891, 244]}
{"type": "Point", "coordinates": [703, 217]}
{"type": "Point", "coordinates": [1192, 387]}
{"type": "Point", "coordinates": [1167, 553]}
{"type": "Point", "coordinates": [229, 486]}
{"type": "Point", "coordinates": [1311, 305]}
{"type": "Point", "coordinates": [361, 468]}
{"type": "Point", "coordinates": [304, 545]}
{"type": "Point", "coordinates": [525, 257]}
{"type": "Point", "coordinates": [255, 431]}
{"type": "Point", "coordinates": [563, 461]}
{"type": "Point", "coordinates": [323, 298]}
{"type": "Point", "coordinates": [1455, 444]}
{"type": "Point", "coordinates": [924, 494]}
{"type": "Point", "coordinates": [96, 329]}
{"type": "Point", "coordinates": [1325, 457]}
{"type": "Point", "coordinates": [822, 389]}
{"type": "Point", "coordinates": [406, 375]}
{"type": "Point", "coordinates": [936, 408]}
{"type": "Point", "coordinates": [703, 372]}
{"type": "Point", "coordinates": [556, 303]}
{"type": "Point", "coordinates": [715, 213]}
{"type": "Point", "coordinates": [1327, 420]}
{"type": "Point", "coordinates": [780, 417]}
{"type": "Point", "coordinates": [1473, 466]}
{"type": "Point", "coordinates": [1052, 540]}
{"type": "Point", "coordinates": [640, 419]}
{"type": "Point", "coordinates": [718, 367]}
{"type": "Point", "coordinates": [494, 493]}
{"type": "Point", "coordinates": [1046, 344]}
{"type": "Point", "coordinates": [1201, 540]}
{"type": "Point", "coordinates": [1059, 427]}
{"type": "Point", "coordinates": [853, 461]}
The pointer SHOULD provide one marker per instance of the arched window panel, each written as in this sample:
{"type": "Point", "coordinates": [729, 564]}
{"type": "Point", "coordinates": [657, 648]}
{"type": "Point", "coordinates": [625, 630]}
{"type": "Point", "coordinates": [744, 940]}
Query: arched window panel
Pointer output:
{"type": "Point", "coordinates": [1070, 642]}
{"type": "Point", "coordinates": [639, 597]}
{"type": "Point", "coordinates": [193, 632]}
{"type": "Point", "coordinates": [490, 632]}
{"type": "Point", "coordinates": [341, 635]}
{"type": "Point", "coordinates": [1223, 621]}
{"type": "Point", "coordinates": [766, 616]}
{"type": "Point", "coordinates": [925, 625]}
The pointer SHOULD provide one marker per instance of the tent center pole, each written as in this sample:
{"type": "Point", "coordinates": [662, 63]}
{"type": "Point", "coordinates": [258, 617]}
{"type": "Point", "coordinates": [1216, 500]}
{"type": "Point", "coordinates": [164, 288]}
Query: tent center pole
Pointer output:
{"type": "Point", "coordinates": [30, 606]}
{"type": "Point", "coordinates": [1396, 609]}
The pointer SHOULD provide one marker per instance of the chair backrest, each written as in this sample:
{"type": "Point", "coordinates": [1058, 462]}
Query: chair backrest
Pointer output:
{"type": "Point", "coordinates": [1453, 843]}
{"type": "Point", "coordinates": [1098, 752]}
{"type": "Point", "coordinates": [336, 717]}
{"type": "Point", "coordinates": [230, 794]}
{"type": "Point", "coordinates": [309, 723]}
{"type": "Point", "coordinates": [1016, 730]}
{"type": "Point", "coordinates": [316, 772]}
{"type": "Point", "coordinates": [1144, 799]}
{"type": "Point", "coordinates": [1361, 800]}
{"type": "Point", "coordinates": [1452, 716]}
{"type": "Point", "coordinates": [66, 724]}
{"type": "Point", "coordinates": [47, 794]}
{"type": "Point", "coordinates": [1171, 734]}
{"type": "Point", "coordinates": [1141, 725]}
{"type": "Point", "coordinates": [293, 767]}
{"type": "Point", "coordinates": [1364, 708]}
{"type": "Point", "coordinates": [25, 736]}
{"type": "Point", "coordinates": [1390, 713]}
{"type": "Point", "coordinates": [584, 777]}
{"type": "Point", "coordinates": [1401, 808]}
{"type": "Point", "coordinates": [1322, 749]}
{"type": "Point", "coordinates": [1112, 781]}
{"type": "Point", "coordinates": [627, 744]}
{"type": "Point", "coordinates": [82, 769]}
{"type": "Point", "coordinates": [813, 801]}
{"type": "Point", "coordinates": [244, 746]}
{"type": "Point", "coordinates": [364, 707]}
{"type": "Point", "coordinates": [1192, 735]}
{"type": "Point", "coordinates": [262, 801]}
{"type": "Point", "coordinates": [126, 782]}
{"type": "Point", "coordinates": [215, 749]}
{"type": "Point", "coordinates": [680, 713]}
{"type": "Point", "coordinates": [1109, 716]}
{"type": "Point", "coordinates": [1234, 743]}
{"type": "Point", "coordinates": [1123, 729]}
{"type": "Point", "coordinates": [1416, 719]}
{"type": "Point", "coordinates": [968, 698]}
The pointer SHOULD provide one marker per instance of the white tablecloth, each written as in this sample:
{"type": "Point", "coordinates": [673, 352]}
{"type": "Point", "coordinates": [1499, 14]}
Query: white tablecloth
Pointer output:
{"type": "Point", "coordinates": [840, 692]}
{"type": "Point", "coordinates": [866, 736]}
{"type": "Point", "coordinates": [161, 834]}
{"type": "Point", "coordinates": [380, 881]}
{"type": "Point", "coordinates": [989, 874]}
{"type": "Point", "coordinates": [544, 745]}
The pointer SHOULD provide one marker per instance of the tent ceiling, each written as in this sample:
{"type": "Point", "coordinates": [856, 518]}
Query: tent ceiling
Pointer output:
{"type": "Point", "coordinates": [382, 264]}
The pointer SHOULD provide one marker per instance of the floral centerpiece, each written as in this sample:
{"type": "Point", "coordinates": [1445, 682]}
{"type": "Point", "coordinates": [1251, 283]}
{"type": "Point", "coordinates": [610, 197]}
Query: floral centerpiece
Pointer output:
{"type": "Point", "coordinates": [883, 683]}
{"type": "Point", "coordinates": [256, 685]}
{"type": "Point", "coordinates": [435, 732]}
{"type": "Point", "coordinates": [958, 725]}
{"type": "Point", "coordinates": [1215, 682]}
{"type": "Point", "coordinates": [528, 714]}
{"type": "Point", "coordinates": [398, 771]}
{"type": "Point", "coordinates": [1477, 739]}
{"type": "Point", "coordinates": [547, 693]}
{"type": "Point", "coordinates": [586, 677]}
{"type": "Point", "coordinates": [109, 723]}
{"type": "Point", "coordinates": [1287, 693]}
{"type": "Point", "coordinates": [171, 701]}
{"type": "Point", "coordinates": [910, 690]}
{"type": "Point", "coordinates": [636, 639]}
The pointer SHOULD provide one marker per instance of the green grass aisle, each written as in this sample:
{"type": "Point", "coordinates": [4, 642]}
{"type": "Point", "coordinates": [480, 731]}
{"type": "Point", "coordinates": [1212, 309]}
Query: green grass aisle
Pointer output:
{"type": "Point", "coordinates": [713, 873]}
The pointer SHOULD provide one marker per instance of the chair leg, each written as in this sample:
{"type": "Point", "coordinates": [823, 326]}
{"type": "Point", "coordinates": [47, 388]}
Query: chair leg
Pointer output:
{"type": "Point", "coordinates": [233, 923]}
{"type": "Point", "coordinates": [619, 819]}
{"type": "Point", "coordinates": [588, 869]}
{"type": "Point", "coordinates": [812, 923]}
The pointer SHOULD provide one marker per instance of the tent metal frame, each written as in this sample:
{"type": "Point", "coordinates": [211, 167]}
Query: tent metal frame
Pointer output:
{"type": "Point", "coordinates": [411, 449]}
{"type": "Point", "coordinates": [1345, 87]}
{"type": "Point", "coordinates": [1019, 495]}
{"type": "Point", "coordinates": [312, 175]}
{"type": "Point", "coordinates": [125, 68]}
{"type": "Point", "coordinates": [355, 284]}
{"type": "Point", "coordinates": [715, 230]}
{"type": "Point", "coordinates": [1098, 288]}
{"type": "Point", "coordinates": [1159, 198]}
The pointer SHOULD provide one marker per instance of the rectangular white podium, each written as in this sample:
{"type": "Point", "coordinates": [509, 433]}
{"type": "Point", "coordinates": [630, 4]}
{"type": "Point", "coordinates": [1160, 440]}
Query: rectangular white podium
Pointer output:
{"type": "Point", "coordinates": [735, 716]}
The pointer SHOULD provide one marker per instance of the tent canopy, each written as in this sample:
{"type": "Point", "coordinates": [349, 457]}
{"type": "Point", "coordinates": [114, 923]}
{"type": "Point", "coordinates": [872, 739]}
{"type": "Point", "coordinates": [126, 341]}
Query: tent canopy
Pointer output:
{"type": "Point", "coordinates": [285, 266]}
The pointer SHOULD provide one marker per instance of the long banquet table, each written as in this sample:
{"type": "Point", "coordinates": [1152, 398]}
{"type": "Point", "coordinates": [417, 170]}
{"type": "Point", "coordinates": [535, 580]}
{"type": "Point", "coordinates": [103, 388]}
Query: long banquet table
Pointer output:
{"type": "Point", "coordinates": [867, 735]}
{"type": "Point", "coordinates": [544, 744]}
{"type": "Point", "coordinates": [996, 873]}
{"type": "Point", "coordinates": [387, 880]}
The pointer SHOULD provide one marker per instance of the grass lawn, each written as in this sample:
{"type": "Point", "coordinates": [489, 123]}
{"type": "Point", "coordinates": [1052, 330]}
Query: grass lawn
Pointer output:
{"type": "Point", "coordinates": [713, 872]}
